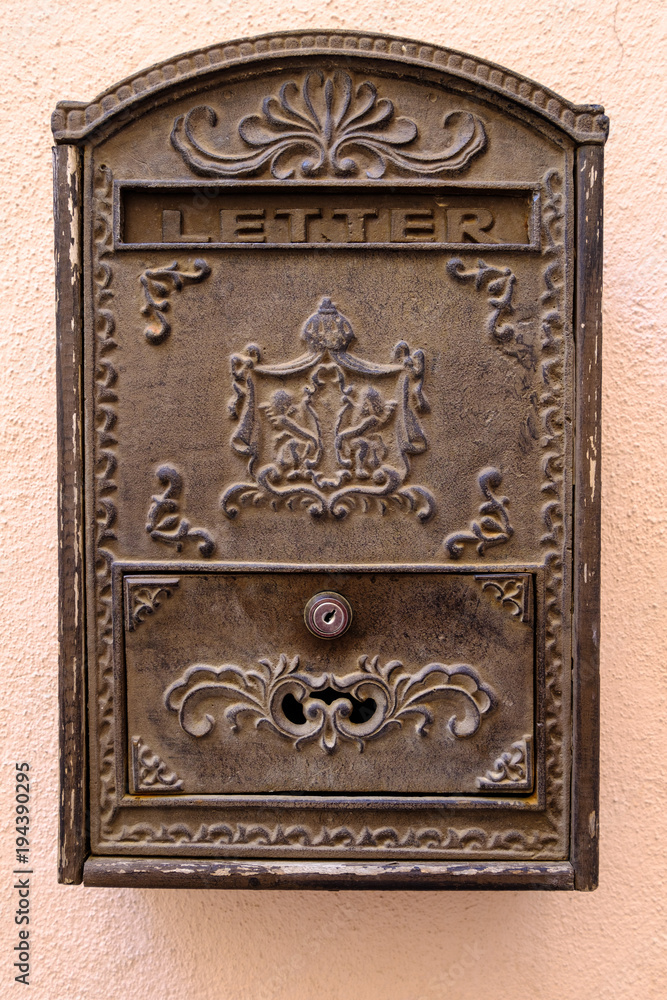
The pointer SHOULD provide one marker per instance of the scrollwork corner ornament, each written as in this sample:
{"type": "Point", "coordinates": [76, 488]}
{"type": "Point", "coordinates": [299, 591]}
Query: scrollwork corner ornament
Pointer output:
{"type": "Point", "coordinates": [148, 772]}
{"type": "Point", "coordinates": [164, 523]}
{"type": "Point", "coordinates": [493, 527]}
{"type": "Point", "coordinates": [143, 596]}
{"type": "Point", "coordinates": [392, 694]}
{"type": "Point", "coordinates": [325, 125]}
{"type": "Point", "coordinates": [512, 771]}
{"type": "Point", "coordinates": [500, 283]}
{"type": "Point", "coordinates": [158, 283]}
{"type": "Point", "coordinates": [513, 592]}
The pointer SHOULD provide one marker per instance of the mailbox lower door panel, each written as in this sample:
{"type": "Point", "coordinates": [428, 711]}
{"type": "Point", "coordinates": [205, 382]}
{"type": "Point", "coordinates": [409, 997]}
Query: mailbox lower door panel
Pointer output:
{"type": "Point", "coordinates": [228, 688]}
{"type": "Point", "coordinates": [403, 736]}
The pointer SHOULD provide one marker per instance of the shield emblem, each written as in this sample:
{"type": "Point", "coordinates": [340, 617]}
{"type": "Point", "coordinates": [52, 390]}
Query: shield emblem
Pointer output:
{"type": "Point", "coordinates": [329, 430]}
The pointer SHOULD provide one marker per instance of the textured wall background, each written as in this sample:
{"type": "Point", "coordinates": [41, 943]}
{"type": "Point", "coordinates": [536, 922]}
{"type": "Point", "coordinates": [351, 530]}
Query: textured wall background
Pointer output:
{"type": "Point", "coordinates": [145, 944]}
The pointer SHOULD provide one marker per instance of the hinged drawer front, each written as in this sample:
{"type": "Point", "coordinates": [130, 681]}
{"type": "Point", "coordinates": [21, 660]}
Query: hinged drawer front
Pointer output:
{"type": "Point", "coordinates": [430, 690]}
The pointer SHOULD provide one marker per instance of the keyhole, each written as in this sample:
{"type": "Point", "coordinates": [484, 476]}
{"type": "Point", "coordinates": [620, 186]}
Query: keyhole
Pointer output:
{"type": "Point", "coordinates": [361, 712]}
{"type": "Point", "coordinates": [327, 615]}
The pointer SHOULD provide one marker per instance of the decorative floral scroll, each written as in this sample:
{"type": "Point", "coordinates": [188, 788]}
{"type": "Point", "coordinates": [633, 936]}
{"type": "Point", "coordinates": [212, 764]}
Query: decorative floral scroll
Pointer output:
{"type": "Point", "coordinates": [493, 527]}
{"type": "Point", "coordinates": [164, 523]}
{"type": "Point", "coordinates": [158, 283]}
{"type": "Point", "coordinates": [392, 696]}
{"type": "Point", "coordinates": [500, 283]}
{"type": "Point", "coordinates": [325, 125]}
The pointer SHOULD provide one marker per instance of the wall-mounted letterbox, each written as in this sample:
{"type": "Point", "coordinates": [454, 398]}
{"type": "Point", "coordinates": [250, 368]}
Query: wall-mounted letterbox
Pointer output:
{"type": "Point", "coordinates": [329, 356]}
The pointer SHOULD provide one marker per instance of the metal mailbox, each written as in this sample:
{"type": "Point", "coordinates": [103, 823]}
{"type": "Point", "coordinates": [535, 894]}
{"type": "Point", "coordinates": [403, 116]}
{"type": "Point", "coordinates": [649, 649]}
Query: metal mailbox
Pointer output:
{"type": "Point", "coordinates": [329, 362]}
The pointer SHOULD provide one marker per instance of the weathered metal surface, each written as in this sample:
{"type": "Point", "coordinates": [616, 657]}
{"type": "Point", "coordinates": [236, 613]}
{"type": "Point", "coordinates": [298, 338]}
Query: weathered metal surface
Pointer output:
{"type": "Point", "coordinates": [330, 371]}
{"type": "Point", "coordinates": [209, 874]}
{"type": "Point", "coordinates": [67, 172]}
{"type": "Point", "coordinates": [283, 709]}
{"type": "Point", "coordinates": [588, 485]}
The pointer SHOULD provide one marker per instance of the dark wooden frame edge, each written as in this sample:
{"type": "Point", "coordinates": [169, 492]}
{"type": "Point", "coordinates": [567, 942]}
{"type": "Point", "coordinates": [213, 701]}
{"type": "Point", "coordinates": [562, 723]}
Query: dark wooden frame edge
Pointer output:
{"type": "Point", "coordinates": [72, 847]}
{"type": "Point", "coordinates": [587, 519]}
{"type": "Point", "coordinates": [165, 873]}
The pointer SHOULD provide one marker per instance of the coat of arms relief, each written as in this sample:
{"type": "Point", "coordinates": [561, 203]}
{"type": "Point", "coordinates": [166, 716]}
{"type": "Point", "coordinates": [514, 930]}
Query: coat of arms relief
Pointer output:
{"type": "Point", "coordinates": [329, 431]}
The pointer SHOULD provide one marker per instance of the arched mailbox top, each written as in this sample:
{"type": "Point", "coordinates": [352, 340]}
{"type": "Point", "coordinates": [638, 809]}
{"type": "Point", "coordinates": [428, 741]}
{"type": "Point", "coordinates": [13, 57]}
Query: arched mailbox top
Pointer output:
{"type": "Point", "coordinates": [76, 121]}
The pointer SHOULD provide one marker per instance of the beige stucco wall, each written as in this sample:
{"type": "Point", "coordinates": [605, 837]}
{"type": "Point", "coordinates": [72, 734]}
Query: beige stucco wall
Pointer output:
{"type": "Point", "coordinates": [145, 944]}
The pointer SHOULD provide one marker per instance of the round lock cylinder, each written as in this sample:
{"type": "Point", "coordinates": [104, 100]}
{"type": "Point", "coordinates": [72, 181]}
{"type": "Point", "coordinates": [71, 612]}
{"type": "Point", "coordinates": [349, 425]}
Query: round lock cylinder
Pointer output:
{"type": "Point", "coordinates": [327, 615]}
